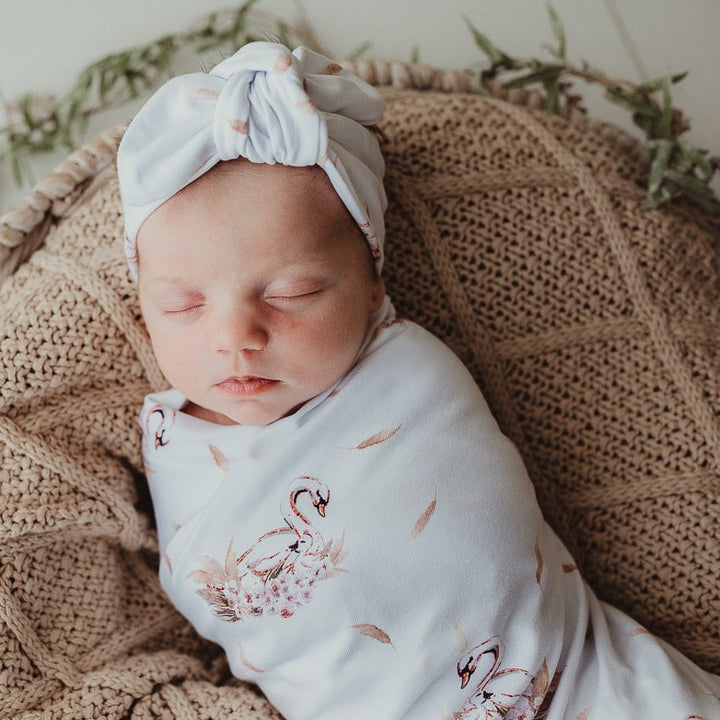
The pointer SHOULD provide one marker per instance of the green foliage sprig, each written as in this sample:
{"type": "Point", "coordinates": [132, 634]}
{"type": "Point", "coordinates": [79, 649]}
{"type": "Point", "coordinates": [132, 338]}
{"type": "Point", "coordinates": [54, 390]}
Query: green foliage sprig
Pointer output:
{"type": "Point", "coordinates": [39, 124]}
{"type": "Point", "coordinates": [677, 168]}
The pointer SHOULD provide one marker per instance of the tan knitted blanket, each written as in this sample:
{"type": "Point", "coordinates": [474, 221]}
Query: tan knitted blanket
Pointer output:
{"type": "Point", "coordinates": [593, 328]}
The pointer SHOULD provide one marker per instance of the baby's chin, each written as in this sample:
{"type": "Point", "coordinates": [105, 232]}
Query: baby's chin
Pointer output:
{"type": "Point", "coordinates": [244, 416]}
{"type": "Point", "coordinates": [191, 408]}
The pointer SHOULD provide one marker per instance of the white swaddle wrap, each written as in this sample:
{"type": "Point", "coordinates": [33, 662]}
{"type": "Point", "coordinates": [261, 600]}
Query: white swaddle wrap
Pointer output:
{"type": "Point", "coordinates": [380, 554]}
{"type": "Point", "coordinates": [265, 104]}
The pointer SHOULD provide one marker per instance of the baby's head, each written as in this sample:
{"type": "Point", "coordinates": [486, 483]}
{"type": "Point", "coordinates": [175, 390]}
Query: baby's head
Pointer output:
{"type": "Point", "coordinates": [253, 208]}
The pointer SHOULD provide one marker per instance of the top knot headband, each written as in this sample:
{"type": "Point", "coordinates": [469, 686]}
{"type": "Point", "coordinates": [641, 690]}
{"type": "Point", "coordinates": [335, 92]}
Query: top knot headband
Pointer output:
{"type": "Point", "coordinates": [265, 104]}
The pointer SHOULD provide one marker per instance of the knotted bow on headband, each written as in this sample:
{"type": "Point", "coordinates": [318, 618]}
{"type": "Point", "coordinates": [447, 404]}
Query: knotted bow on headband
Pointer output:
{"type": "Point", "coordinates": [265, 104]}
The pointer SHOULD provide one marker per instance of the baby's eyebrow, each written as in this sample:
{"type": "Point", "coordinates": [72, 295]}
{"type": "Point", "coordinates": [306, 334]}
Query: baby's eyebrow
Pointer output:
{"type": "Point", "coordinates": [168, 280]}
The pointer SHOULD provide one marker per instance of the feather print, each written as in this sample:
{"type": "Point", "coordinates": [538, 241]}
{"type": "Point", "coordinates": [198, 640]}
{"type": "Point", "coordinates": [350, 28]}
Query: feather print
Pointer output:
{"type": "Point", "coordinates": [584, 715]}
{"type": "Point", "coordinates": [376, 439]}
{"type": "Point", "coordinates": [424, 519]}
{"type": "Point", "coordinates": [569, 567]}
{"type": "Point", "coordinates": [240, 126]}
{"type": "Point", "coordinates": [540, 685]}
{"type": "Point", "coordinates": [374, 632]}
{"type": "Point", "coordinates": [540, 563]}
{"type": "Point", "coordinates": [220, 460]}
{"type": "Point", "coordinates": [462, 641]}
{"type": "Point", "coordinates": [283, 63]}
{"type": "Point", "coordinates": [230, 561]}
{"type": "Point", "coordinates": [332, 69]}
{"type": "Point", "coordinates": [247, 663]}
{"type": "Point", "coordinates": [205, 94]}
{"type": "Point", "coordinates": [306, 105]}
{"type": "Point", "coordinates": [639, 631]}
{"type": "Point", "coordinates": [336, 553]}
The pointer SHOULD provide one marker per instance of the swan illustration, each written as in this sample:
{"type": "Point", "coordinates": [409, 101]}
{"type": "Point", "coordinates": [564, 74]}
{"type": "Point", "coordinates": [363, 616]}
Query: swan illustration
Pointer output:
{"type": "Point", "coordinates": [488, 700]}
{"type": "Point", "coordinates": [278, 573]}
{"type": "Point", "coordinates": [297, 545]}
{"type": "Point", "coordinates": [489, 653]}
{"type": "Point", "coordinates": [158, 425]}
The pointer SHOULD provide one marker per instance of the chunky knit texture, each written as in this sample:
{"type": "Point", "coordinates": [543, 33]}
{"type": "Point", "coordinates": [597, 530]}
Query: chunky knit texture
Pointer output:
{"type": "Point", "coordinates": [593, 328]}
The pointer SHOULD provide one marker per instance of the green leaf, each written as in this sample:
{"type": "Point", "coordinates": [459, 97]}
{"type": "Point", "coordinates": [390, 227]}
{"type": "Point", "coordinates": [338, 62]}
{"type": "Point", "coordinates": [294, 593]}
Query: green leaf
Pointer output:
{"type": "Point", "coordinates": [692, 157]}
{"type": "Point", "coordinates": [494, 55]}
{"type": "Point", "coordinates": [660, 196]}
{"type": "Point", "coordinates": [631, 102]}
{"type": "Point", "coordinates": [552, 100]}
{"type": "Point", "coordinates": [237, 33]}
{"type": "Point", "coordinates": [16, 168]}
{"type": "Point", "coordinates": [26, 110]}
{"type": "Point", "coordinates": [558, 31]}
{"type": "Point", "coordinates": [545, 74]}
{"type": "Point", "coordinates": [359, 51]}
{"type": "Point", "coordinates": [245, 7]}
{"type": "Point", "coordinates": [657, 84]}
{"type": "Point", "coordinates": [662, 151]}
{"type": "Point", "coordinates": [106, 83]}
{"type": "Point", "coordinates": [689, 183]}
{"type": "Point", "coordinates": [667, 109]}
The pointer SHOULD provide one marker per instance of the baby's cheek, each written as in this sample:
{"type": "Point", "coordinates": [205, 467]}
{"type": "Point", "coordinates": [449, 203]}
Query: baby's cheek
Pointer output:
{"type": "Point", "coordinates": [315, 346]}
{"type": "Point", "coordinates": [173, 353]}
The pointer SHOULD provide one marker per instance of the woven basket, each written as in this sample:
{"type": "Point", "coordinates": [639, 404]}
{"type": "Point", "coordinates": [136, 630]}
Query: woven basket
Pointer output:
{"type": "Point", "coordinates": [592, 327]}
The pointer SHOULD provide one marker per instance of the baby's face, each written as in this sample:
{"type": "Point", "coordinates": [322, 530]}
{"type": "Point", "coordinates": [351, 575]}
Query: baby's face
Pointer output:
{"type": "Point", "coordinates": [257, 290]}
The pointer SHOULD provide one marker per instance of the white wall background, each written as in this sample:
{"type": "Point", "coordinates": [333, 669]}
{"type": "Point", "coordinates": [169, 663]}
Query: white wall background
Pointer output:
{"type": "Point", "coordinates": [45, 43]}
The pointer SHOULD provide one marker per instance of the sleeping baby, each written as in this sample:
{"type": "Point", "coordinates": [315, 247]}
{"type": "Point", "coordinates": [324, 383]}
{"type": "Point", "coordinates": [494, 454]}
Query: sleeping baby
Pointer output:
{"type": "Point", "coordinates": [336, 506]}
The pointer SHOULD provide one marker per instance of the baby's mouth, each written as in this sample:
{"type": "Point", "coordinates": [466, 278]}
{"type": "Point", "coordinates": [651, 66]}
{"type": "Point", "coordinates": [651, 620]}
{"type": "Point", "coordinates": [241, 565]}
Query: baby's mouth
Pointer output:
{"type": "Point", "coordinates": [246, 385]}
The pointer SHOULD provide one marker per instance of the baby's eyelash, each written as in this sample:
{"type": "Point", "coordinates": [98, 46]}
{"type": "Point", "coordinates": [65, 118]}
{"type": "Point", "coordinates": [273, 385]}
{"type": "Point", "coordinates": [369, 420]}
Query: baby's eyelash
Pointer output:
{"type": "Point", "coordinates": [182, 311]}
{"type": "Point", "coordinates": [290, 296]}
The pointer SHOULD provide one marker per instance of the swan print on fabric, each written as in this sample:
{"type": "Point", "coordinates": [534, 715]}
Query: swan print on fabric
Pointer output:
{"type": "Point", "coordinates": [158, 425]}
{"type": "Point", "coordinates": [279, 572]}
{"type": "Point", "coordinates": [492, 698]}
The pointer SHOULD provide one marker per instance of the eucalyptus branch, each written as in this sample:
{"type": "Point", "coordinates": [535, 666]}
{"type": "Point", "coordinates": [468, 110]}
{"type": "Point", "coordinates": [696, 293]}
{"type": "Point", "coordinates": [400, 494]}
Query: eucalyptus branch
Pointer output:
{"type": "Point", "coordinates": [38, 124]}
{"type": "Point", "coordinates": [677, 169]}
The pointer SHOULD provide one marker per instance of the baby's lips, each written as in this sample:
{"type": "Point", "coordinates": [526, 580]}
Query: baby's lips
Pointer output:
{"type": "Point", "coordinates": [246, 385]}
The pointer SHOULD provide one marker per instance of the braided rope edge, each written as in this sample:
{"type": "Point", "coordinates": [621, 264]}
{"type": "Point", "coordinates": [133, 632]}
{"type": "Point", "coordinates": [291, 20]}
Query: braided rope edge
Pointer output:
{"type": "Point", "coordinates": [23, 230]}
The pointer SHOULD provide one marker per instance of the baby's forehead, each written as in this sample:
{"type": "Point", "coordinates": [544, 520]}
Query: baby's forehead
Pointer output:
{"type": "Point", "coordinates": [274, 201]}
{"type": "Point", "coordinates": [310, 187]}
{"type": "Point", "coordinates": [228, 180]}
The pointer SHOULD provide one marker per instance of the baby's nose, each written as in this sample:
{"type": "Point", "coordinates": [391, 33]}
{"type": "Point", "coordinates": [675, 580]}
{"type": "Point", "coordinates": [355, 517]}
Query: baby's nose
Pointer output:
{"type": "Point", "coordinates": [238, 331]}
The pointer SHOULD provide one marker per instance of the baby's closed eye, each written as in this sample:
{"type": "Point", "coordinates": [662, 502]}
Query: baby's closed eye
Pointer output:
{"type": "Point", "coordinates": [293, 291]}
{"type": "Point", "coordinates": [182, 304]}
{"type": "Point", "coordinates": [183, 311]}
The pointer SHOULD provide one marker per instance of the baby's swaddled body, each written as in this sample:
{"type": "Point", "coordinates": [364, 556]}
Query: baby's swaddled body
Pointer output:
{"type": "Point", "coordinates": [380, 554]}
